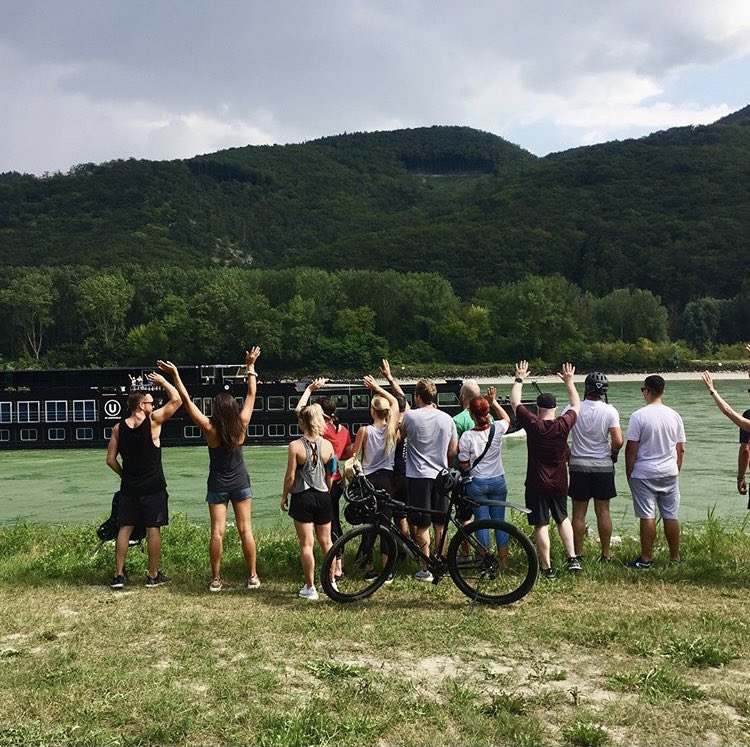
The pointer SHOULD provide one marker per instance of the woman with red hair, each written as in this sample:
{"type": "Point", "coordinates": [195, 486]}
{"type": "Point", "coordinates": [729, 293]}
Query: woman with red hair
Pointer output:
{"type": "Point", "coordinates": [479, 453]}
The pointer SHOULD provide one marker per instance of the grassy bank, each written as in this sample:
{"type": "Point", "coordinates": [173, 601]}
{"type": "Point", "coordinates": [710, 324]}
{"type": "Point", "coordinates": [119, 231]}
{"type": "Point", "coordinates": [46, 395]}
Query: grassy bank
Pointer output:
{"type": "Point", "coordinates": [610, 657]}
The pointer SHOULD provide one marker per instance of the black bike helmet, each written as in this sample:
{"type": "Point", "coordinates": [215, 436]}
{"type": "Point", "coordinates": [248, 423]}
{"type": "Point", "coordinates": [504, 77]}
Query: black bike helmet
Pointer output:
{"type": "Point", "coordinates": [596, 383]}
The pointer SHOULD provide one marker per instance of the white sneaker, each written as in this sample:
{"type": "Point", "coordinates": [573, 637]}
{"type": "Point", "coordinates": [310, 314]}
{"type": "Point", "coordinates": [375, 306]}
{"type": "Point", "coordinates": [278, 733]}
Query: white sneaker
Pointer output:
{"type": "Point", "coordinates": [334, 585]}
{"type": "Point", "coordinates": [308, 592]}
{"type": "Point", "coordinates": [423, 575]}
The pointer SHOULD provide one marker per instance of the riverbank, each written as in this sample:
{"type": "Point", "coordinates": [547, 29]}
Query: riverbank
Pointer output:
{"type": "Point", "coordinates": [608, 657]}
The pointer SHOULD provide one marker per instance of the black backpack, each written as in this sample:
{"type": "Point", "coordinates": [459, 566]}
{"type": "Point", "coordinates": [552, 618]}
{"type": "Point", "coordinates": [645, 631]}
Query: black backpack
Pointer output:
{"type": "Point", "coordinates": [107, 531]}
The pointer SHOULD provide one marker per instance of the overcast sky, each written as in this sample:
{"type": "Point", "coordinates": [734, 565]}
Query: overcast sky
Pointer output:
{"type": "Point", "coordinates": [94, 80]}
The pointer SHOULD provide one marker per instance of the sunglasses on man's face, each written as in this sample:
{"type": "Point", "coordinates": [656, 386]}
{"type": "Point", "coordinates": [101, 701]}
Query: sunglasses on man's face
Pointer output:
{"type": "Point", "coordinates": [644, 389]}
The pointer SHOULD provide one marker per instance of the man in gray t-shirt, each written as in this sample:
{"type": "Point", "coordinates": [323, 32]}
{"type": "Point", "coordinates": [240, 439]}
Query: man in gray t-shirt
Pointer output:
{"type": "Point", "coordinates": [431, 445]}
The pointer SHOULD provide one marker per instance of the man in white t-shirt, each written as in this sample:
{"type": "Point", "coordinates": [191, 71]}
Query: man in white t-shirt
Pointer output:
{"type": "Point", "coordinates": [653, 458]}
{"type": "Point", "coordinates": [596, 442]}
{"type": "Point", "coordinates": [431, 445]}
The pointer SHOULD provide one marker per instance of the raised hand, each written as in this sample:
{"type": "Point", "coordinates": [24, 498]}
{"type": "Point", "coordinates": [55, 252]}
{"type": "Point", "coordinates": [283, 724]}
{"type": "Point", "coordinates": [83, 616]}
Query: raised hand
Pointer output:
{"type": "Point", "coordinates": [167, 367]}
{"type": "Point", "coordinates": [385, 368]}
{"type": "Point", "coordinates": [157, 379]}
{"type": "Point", "coordinates": [491, 394]}
{"type": "Point", "coordinates": [522, 369]}
{"type": "Point", "coordinates": [252, 355]}
{"type": "Point", "coordinates": [370, 383]}
{"type": "Point", "coordinates": [707, 380]}
{"type": "Point", "coordinates": [316, 384]}
{"type": "Point", "coordinates": [567, 373]}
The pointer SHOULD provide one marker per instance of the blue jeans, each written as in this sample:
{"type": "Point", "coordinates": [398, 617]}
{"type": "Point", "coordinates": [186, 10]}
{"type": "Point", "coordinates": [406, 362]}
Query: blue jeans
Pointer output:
{"type": "Point", "coordinates": [489, 489]}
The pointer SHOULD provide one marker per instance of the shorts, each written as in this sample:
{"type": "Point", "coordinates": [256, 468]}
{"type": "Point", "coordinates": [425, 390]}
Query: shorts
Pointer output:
{"type": "Point", "coordinates": [311, 507]}
{"type": "Point", "coordinates": [241, 494]}
{"type": "Point", "coordinates": [597, 485]}
{"type": "Point", "coordinates": [650, 492]}
{"type": "Point", "coordinates": [542, 506]}
{"type": "Point", "coordinates": [150, 510]}
{"type": "Point", "coordinates": [400, 493]}
{"type": "Point", "coordinates": [423, 497]}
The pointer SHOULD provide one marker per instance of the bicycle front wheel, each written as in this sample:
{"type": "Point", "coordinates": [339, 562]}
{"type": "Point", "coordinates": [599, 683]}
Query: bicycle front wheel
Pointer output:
{"type": "Point", "coordinates": [368, 554]}
{"type": "Point", "coordinates": [501, 565]}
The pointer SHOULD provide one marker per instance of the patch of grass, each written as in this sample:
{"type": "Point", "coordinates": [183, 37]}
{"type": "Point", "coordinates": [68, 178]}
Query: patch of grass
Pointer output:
{"type": "Point", "coordinates": [697, 652]}
{"type": "Point", "coordinates": [315, 725]}
{"type": "Point", "coordinates": [655, 685]}
{"type": "Point", "coordinates": [585, 734]}
{"type": "Point", "coordinates": [331, 671]}
{"type": "Point", "coordinates": [505, 703]}
{"type": "Point", "coordinates": [541, 672]}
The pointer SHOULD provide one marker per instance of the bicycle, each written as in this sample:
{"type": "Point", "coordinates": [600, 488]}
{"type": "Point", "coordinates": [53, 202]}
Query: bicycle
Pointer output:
{"type": "Point", "coordinates": [500, 576]}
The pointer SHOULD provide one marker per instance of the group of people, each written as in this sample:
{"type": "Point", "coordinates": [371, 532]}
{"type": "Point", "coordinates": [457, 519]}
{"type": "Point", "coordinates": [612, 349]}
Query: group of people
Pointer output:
{"type": "Point", "coordinates": [404, 451]}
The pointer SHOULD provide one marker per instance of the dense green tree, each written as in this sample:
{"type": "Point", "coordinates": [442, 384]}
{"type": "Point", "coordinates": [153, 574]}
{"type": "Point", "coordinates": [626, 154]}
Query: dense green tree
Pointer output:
{"type": "Point", "coordinates": [103, 302]}
{"type": "Point", "coordinates": [700, 323]}
{"type": "Point", "coordinates": [629, 315]}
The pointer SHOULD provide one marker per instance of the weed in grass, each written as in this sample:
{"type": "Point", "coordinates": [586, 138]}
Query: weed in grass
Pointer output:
{"type": "Point", "coordinates": [524, 731]}
{"type": "Point", "coordinates": [697, 652]}
{"type": "Point", "coordinates": [507, 703]}
{"type": "Point", "coordinates": [315, 726]}
{"type": "Point", "coordinates": [585, 734]}
{"type": "Point", "coordinates": [541, 672]}
{"type": "Point", "coordinates": [331, 671]}
{"type": "Point", "coordinates": [656, 684]}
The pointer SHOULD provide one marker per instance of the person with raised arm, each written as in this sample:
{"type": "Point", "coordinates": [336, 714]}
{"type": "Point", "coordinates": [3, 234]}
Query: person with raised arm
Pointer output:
{"type": "Point", "coordinates": [228, 479]}
{"type": "Point", "coordinates": [143, 489]}
{"type": "Point", "coordinates": [311, 464]}
{"type": "Point", "coordinates": [743, 422]}
{"type": "Point", "coordinates": [546, 469]}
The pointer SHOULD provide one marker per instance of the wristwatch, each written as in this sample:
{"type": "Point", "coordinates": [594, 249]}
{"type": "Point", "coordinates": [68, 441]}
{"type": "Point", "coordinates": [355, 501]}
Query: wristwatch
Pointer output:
{"type": "Point", "coordinates": [518, 380]}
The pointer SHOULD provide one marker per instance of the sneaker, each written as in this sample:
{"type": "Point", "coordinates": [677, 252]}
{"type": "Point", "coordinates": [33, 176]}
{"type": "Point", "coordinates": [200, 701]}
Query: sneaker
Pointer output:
{"type": "Point", "coordinates": [157, 580]}
{"type": "Point", "coordinates": [604, 560]}
{"type": "Point", "coordinates": [548, 574]}
{"type": "Point", "coordinates": [641, 565]}
{"type": "Point", "coordinates": [371, 575]}
{"type": "Point", "coordinates": [389, 580]}
{"type": "Point", "coordinates": [423, 575]}
{"type": "Point", "coordinates": [253, 582]}
{"type": "Point", "coordinates": [465, 559]}
{"type": "Point", "coordinates": [216, 585]}
{"type": "Point", "coordinates": [308, 592]}
{"type": "Point", "coordinates": [334, 585]}
{"type": "Point", "coordinates": [574, 565]}
{"type": "Point", "coordinates": [675, 561]}
{"type": "Point", "coordinates": [117, 582]}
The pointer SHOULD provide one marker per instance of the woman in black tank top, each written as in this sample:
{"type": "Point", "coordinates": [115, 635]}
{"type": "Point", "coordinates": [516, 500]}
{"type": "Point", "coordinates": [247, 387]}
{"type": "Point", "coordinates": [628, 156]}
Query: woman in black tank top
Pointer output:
{"type": "Point", "coordinates": [228, 480]}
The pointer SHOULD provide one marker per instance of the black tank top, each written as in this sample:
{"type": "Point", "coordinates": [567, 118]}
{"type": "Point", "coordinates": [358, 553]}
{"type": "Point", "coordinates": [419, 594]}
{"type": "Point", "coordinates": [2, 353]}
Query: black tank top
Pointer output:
{"type": "Point", "coordinates": [227, 470]}
{"type": "Point", "coordinates": [141, 460]}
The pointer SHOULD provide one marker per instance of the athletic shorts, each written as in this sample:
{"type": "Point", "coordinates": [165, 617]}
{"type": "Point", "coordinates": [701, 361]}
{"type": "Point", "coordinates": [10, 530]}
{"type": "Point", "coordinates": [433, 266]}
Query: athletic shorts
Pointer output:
{"type": "Point", "coordinates": [400, 493]}
{"type": "Point", "coordinates": [650, 492]}
{"type": "Point", "coordinates": [423, 497]}
{"type": "Point", "coordinates": [311, 507]}
{"type": "Point", "coordinates": [241, 494]}
{"type": "Point", "coordinates": [542, 506]}
{"type": "Point", "coordinates": [151, 510]}
{"type": "Point", "coordinates": [586, 485]}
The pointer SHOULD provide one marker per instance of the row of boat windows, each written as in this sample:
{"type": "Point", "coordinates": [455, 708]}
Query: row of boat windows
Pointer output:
{"type": "Point", "coordinates": [273, 430]}
{"type": "Point", "coordinates": [55, 411]}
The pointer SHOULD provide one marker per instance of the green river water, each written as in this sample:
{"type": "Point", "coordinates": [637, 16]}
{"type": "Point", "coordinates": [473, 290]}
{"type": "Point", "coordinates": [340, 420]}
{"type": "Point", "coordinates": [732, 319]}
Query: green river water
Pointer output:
{"type": "Point", "coordinates": [76, 486]}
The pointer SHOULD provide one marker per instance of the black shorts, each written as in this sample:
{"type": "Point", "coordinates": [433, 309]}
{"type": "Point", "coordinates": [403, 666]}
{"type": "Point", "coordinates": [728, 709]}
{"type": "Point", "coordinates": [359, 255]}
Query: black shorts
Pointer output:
{"type": "Point", "coordinates": [542, 506]}
{"type": "Point", "coordinates": [586, 485]}
{"type": "Point", "coordinates": [423, 496]}
{"type": "Point", "coordinates": [400, 493]}
{"type": "Point", "coordinates": [151, 510]}
{"type": "Point", "coordinates": [311, 507]}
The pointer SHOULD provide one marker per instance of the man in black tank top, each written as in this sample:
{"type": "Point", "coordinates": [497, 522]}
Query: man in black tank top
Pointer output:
{"type": "Point", "coordinates": [143, 494]}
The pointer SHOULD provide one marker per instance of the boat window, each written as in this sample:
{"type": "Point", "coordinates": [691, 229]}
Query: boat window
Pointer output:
{"type": "Point", "coordinates": [293, 402]}
{"type": "Point", "coordinates": [258, 403]}
{"type": "Point", "coordinates": [107, 433]}
{"type": "Point", "coordinates": [84, 434]}
{"type": "Point", "coordinates": [28, 412]}
{"type": "Point", "coordinates": [255, 430]}
{"type": "Point", "coordinates": [294, 430]}
{"type": "Point", "coordinates": [276, 403]}
{"type": "Point", "coordinates": [447, 399]}
{"type": "Point", "coordinates": [341, 400]}
{"type": "Point", "coordinates": [276, 429]}
{"type": "Point", "coordinates": [6, 412]}
{"type": "Point", "coordinates": [191, 431]}
{"type": "Point", "coordinates": [240, 401]}
{"type": "Point", "coordinates": [360, 401]}
{"type": "Point", "coordinates": [356, 426]}
{"type": "Point", "coordinates": [208, 406]}
{"type": "Point", "coordinates": [4, 434]}
{"type": "Point", "coordinates": [84, 410]}
{"type": "Point", "coordinates": [28, 434]}
{"type": "Point", "coordinates": [56, 410]}
{"type": "Point", "coordinates": [56, 434]}
{"type": "Point", "coordinates": [409, 398]}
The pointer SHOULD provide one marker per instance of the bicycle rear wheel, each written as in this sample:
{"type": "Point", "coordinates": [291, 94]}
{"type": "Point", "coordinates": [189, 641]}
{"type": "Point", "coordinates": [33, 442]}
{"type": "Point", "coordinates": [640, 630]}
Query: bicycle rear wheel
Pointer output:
{"type": "Point", "coordinates": [492, 573]}
{"type": "Point", "coordinates": [368, 554]}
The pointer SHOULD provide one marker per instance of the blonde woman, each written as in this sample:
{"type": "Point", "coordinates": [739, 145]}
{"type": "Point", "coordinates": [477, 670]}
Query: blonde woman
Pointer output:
{"type": "Point", "coordinates": [311, 464]}
{"type": "Point", "coordinates": [228, 479]}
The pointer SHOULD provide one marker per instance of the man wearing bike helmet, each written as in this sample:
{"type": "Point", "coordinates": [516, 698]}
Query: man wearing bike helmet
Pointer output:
{"type": "Point", "coordinates": [596, 442]}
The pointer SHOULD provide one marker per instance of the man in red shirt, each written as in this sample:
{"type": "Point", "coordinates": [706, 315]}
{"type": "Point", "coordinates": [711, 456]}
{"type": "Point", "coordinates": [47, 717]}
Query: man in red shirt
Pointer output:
{"type": "Point", "coordinates": [547, 466]}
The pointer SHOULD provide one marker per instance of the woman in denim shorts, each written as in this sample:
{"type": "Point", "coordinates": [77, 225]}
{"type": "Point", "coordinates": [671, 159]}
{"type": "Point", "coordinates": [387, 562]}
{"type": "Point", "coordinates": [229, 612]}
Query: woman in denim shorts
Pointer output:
{"type": "Point", "coordinates": [228, 479]}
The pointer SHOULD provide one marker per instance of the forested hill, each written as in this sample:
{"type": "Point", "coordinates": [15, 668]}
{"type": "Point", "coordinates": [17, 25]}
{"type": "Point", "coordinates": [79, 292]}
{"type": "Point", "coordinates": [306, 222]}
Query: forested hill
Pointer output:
{"type": "Point", "coordinates": [669, 212]}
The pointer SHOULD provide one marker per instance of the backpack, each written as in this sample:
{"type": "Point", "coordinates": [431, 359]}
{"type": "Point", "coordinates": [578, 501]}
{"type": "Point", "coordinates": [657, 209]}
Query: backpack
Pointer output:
{"type": "Point", "coordinates": [108, 529]}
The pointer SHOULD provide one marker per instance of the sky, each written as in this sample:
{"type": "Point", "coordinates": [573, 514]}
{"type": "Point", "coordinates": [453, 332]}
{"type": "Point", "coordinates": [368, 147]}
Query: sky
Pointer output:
{"type": "Point", "coordinates": [95, 80]}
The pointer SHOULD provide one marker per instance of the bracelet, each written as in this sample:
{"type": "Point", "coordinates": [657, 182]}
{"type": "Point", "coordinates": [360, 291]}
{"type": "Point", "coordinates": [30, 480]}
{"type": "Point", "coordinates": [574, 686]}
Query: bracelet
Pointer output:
{"type": "Point", "coordinates": [252, 373]}
{"type": "Point", "coordinates": [712, 392]}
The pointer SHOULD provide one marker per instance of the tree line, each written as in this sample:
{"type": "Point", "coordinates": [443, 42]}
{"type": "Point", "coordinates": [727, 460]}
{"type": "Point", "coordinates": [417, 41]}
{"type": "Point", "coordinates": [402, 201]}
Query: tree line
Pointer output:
{"type": "Point", "coordinates": [343, 321]}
